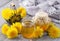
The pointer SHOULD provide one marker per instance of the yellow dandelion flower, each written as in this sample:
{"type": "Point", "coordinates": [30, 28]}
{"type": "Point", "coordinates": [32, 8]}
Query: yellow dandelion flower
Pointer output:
{"type": "Point", "coordinates": [18, 26]}
{"type": "Point", "coordinates": [7, 13]}
{"type": "Point", "coordinates": [54, 32]}
{"type": "Point", "coordinates": [22, 11]}
{"type": "Point", "coordinates": [51, 24]}
{"type": "Point", "coordinates": [19, 9]}
{"type": "Point", "coordinates": [5, 28]}
{"type": "Point", "coordinates": [12, 33]}
{"type": "Point", "coordinates": [38, 32]}
{"type": "Point", "coordinates": [23, 14]}
{"type": "Point", "coordinates": [45, 27]}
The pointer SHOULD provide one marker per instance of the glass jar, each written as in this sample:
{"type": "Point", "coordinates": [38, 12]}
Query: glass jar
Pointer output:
{"type": "Point", "coordinates": [28, 28]}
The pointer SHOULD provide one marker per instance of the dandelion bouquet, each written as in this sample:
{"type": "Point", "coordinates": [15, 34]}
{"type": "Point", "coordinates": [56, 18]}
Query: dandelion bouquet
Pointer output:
{"type": "Point", "coordinates": [12, 15]}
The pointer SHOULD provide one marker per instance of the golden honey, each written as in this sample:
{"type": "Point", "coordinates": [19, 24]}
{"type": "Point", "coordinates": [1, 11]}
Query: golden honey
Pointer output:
{"type": "Point", "coordinates": [28, 28]}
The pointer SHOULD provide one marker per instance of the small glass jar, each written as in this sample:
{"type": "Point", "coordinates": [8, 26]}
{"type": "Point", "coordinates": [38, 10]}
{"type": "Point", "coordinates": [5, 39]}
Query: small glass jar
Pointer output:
{"type": "Point", "coordinates": [28, 28]}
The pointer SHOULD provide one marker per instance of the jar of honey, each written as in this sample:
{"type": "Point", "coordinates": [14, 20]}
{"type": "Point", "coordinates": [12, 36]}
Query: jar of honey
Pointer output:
{"type": "Point", "coordinates": [28, 28]}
